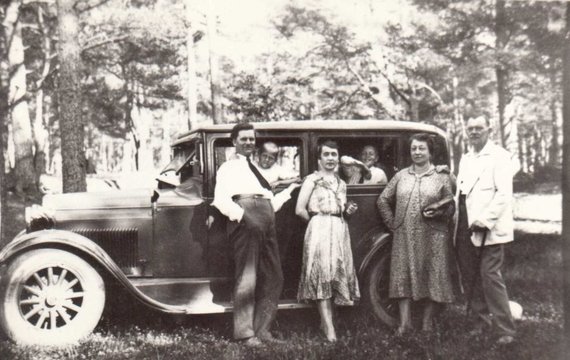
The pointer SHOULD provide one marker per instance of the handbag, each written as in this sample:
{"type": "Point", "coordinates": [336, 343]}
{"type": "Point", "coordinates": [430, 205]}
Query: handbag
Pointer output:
{"type": "Point", "coordinates": [439, 209]}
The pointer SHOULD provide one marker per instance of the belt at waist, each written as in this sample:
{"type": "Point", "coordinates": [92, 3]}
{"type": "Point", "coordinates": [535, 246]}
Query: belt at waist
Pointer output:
{"type": "Point", "coordinates": [311, 214]}
{"type": "Point", "coordinates": [248, 196]}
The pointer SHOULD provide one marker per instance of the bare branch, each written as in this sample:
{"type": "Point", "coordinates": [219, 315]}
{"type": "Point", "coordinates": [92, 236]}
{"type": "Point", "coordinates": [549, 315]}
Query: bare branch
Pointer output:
{"type": "Point", "coordinates": [103, 42]}
{"type": "Point", "coordinates": [28, 2]}
{"type": "Point", "coordinates": [426, 86]}
{"type": "Point", "coordinates": [90, 7]}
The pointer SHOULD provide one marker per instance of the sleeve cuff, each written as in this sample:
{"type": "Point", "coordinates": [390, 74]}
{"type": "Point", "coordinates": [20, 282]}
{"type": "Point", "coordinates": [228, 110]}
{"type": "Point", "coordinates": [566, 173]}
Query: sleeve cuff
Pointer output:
{"type": "Point", "coordinates": [236, 214]}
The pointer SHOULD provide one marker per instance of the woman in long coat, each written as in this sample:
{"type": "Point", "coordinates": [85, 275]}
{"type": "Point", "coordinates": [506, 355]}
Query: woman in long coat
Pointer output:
{"type": "Point", "coordinates": [421, 264]}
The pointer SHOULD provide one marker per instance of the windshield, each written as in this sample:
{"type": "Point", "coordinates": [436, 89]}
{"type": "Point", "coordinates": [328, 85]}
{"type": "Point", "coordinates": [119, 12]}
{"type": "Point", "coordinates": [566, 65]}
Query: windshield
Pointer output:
{"type": "Point", "coordinates": [182, 155]}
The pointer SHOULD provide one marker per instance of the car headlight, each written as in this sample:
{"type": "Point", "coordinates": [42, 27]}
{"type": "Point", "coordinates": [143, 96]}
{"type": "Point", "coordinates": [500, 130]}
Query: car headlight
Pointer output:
{"type": "Point", "coordinates": [38, 218]}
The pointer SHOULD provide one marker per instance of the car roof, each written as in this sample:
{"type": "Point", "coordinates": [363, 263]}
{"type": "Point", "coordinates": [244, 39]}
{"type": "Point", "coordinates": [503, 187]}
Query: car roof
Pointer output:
{"type": "Point", "coordinates": [307, 125]}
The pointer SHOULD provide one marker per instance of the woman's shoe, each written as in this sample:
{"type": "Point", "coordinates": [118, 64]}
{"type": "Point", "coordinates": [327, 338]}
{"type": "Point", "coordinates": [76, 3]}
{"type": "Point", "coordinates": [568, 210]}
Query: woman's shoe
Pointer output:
{"type": "Point", "coordinates": [403, 330]}
{"type": "Point", "coordinates": [427, 326]}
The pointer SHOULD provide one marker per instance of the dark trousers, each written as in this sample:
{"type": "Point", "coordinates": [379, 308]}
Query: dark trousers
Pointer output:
{"type": "Point", "coordinates": [258, 274]}
{"type": "Point", "coordinates": [488, 293]}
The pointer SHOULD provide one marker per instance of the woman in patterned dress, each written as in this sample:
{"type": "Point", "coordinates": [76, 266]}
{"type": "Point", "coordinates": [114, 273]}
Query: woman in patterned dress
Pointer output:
{"type": "Point", "coordinates": [421, 264]}
{"type": "Point", "coordinates": [328, 271]}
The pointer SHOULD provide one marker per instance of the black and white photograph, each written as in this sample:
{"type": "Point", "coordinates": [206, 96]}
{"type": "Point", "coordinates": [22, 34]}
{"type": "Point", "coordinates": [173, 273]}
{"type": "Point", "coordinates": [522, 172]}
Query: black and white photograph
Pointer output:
{"type": "Point", "coordinates": [285, 179]}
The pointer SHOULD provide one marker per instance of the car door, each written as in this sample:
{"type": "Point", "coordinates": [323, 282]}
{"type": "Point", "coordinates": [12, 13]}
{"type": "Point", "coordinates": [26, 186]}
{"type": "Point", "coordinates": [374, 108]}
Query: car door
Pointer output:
{"type": "Point", "coordinates": [180, 216]}
{"type": "Point", "coordinates": [288, 226]}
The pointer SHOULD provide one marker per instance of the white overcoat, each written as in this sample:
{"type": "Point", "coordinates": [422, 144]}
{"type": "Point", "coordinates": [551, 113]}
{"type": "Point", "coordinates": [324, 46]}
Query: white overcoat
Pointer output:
{"type": "Point", "coordinates": [489, 193]}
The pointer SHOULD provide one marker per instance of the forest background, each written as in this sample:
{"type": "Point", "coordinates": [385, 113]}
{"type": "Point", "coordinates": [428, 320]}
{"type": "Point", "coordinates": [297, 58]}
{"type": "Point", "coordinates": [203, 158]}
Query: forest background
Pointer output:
{"type": "Point", "coordinates": [110, 83]}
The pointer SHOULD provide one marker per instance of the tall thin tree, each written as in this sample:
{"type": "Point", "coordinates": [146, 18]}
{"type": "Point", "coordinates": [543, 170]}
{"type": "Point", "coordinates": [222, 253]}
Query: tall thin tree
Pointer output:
{"type": "Point", "coordinates": [25, 179]}
{"type": "Point", "coordinates": [566, 177]}
{"type": "Point", "coordinates": [71, 120]}
{"type": "Point", "coordinates": [3, 120]}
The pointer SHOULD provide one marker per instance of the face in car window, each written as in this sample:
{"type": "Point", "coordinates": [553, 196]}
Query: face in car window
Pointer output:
{"type": "Point", "coordinates": [369, 155]}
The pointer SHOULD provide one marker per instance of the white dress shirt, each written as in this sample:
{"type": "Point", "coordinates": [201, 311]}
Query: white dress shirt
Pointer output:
{"type": "Point", "coordinates": [236, 178]}
{"type": "Point", "coordinates": [276, 172]}
{"type": "Point", "coordinates": [378, 176]}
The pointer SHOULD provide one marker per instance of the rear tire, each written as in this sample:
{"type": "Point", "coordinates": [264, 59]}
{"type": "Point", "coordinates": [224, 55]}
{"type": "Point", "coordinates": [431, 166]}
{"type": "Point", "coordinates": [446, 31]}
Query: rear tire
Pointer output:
{"type": "Point", "coordinates": [50, 297]}
{"type": "Point", "coordinates": [376, 290]}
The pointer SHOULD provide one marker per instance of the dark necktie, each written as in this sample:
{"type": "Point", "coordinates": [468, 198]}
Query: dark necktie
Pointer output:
{"type": "Point", "coordinates": [258, 175]}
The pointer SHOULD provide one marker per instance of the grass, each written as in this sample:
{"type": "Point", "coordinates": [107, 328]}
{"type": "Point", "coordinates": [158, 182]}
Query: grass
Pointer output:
{"type": "Point", "coordinates": [532, 269]}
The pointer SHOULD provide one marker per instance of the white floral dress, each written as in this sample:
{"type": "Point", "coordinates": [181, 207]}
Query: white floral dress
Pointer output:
{"type": "Point", "coordinates": [328, 269]}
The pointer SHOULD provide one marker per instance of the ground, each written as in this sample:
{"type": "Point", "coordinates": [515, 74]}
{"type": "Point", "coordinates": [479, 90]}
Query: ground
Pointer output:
{"type": "Point", "coordinates": [533, 271]}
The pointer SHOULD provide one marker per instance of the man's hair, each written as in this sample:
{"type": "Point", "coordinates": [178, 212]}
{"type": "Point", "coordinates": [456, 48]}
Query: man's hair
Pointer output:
{"type": "Point", "coordinates": [240, 127]}
{"type": "Point", "coordinates": [487, 121]}
{"type": "Point", "coordinates": [423, 137]}
{"type": "Point", "coordinates": [268, 147]}
{"type": "Point", "coordinates": [328, 143]}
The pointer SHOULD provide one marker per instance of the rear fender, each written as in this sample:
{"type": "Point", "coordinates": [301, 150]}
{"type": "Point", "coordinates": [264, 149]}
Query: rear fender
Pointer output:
{"type": "Point", "coordinates": [88, 250]}
{"type": "Point", "coordinates": [380, 242]}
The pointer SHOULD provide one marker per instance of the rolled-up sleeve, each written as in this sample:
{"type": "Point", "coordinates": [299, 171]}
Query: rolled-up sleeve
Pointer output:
{"type": "Point", "coordinates": [223, 196]}
{"type": "Point", "coordinates": [386, 201]}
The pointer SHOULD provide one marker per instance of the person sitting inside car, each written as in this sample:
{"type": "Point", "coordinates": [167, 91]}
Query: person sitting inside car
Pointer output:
{"type": "Point", "coordinates": [363, 171]}
{"type": "Point", "coordinates": [272, 172]}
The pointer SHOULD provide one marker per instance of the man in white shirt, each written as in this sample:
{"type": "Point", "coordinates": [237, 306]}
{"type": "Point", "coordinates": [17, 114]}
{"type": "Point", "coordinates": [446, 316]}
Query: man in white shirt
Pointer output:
{"type": "Point", "coordinates": [246, 199]}
{"type": "Point", "coordinates": [485, 187]}
{"type": "Point", "coordinates": [274, 174]}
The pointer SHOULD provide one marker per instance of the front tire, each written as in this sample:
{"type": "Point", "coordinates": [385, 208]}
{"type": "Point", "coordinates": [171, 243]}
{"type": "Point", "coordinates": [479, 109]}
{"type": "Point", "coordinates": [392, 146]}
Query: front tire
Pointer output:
{"type": "Point", "coordinates": [50, 297]}
{"type": "Point", "coordinates": [376, 290]}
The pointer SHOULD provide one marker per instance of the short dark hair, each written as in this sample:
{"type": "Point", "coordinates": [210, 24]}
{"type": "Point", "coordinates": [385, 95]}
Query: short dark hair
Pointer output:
{"type": "Point", "coordinates": [423, 137]}
{"type": "Point", "coordinates": [328, 143]}
{"type": "Point", "coordinates": [240, 127]}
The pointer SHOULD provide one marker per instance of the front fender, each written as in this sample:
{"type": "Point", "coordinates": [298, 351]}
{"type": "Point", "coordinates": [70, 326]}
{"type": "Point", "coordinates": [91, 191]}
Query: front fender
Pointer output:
{"type": "Point", "coordinates": [88, 248]}
{"type": "Point", "coordinates": [379, 241]}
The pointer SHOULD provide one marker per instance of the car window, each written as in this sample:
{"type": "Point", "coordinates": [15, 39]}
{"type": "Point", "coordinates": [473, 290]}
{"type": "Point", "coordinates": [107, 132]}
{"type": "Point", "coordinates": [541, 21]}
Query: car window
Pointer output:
{"type": "Point", "coordinates": [287, 157]}
{"type": "Point", "coordinates": [185, 164]}
{"type": "Point", "coordinates": [362, 148]}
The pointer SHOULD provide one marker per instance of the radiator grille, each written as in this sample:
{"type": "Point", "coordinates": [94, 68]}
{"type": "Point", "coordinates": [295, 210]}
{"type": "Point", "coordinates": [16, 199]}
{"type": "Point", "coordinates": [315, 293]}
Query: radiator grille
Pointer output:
{"type": "Point", "coordinates": [120, 244]}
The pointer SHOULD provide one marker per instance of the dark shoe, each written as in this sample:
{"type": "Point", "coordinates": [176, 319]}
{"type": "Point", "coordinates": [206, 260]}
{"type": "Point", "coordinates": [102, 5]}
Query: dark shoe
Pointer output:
{"type": "Point", "coordinates": [270, 339]}
{"type": "Point", "coordinates": [505, 340]}
{"type": "Point", "coordinates": [252, 342]}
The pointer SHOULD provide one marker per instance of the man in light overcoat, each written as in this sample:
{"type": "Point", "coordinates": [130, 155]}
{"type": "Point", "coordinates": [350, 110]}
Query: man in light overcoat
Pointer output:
{"type": "Point", "coordinates": [485, 196]}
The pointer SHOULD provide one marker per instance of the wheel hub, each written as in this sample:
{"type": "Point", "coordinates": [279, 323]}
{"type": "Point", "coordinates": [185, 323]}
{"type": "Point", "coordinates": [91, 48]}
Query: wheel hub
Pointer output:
{"type": "Point", "coordinates": [51, 298]}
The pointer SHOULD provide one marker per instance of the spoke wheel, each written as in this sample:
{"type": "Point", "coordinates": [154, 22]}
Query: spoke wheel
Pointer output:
{"type": "Point", "coordinates": [376, 290]}
{"type": "Point", "coordinates": [51, 297]}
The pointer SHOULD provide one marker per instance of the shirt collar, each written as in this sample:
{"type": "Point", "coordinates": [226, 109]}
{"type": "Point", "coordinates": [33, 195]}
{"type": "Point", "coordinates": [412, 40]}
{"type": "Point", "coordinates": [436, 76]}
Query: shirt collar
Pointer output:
{"type": "Point", "coordinates": [486, 150]}
{"type": "Point", "coordinates": [427, 173]}
{"type": "Point", "coordinates": [237, 156]}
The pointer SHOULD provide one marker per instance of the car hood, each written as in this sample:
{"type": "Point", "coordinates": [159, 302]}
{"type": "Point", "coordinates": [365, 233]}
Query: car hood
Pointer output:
{"type": "Point", "coordinates": [102, 200]}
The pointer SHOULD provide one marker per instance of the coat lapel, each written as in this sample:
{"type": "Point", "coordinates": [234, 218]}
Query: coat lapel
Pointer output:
{"type": "Point", "coordinates": [483, 165]}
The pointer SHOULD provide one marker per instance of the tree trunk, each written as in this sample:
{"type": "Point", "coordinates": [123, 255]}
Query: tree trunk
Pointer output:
{"type": "Point", "coordinates": [69, 91]}
{"type": "Point", "coordinates": [215, 89]}
{"type": "Point", "coordinates": [500, 68]}
{"type": "Point", "coordinates": [554, 158]}
{"type": "Point", "coordinates": [520, 147]}
{"type": "Point", "coordinates": [457, 133]}
{"type": "Point", "coordinates": [191, 64]}
{"type": "Point", "coordinates": [3, 122]}
{"type": "Point", "coordinates": [566, 179]}
{"type": "Point", "coordinates": [39, 125]}
{"type": "Point", "coordinates": [40, 135]}
{"type": "Point", "coordinates": [18, 104]}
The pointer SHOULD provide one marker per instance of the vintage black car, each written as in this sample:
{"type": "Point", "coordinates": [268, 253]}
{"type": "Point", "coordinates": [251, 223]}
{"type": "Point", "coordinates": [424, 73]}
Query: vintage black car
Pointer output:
{"type": "Point", "coordinates": [167, 246]}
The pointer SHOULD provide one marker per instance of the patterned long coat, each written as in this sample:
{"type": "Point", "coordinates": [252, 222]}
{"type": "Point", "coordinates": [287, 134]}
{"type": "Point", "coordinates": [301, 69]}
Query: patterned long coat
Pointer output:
{"type": "Point", "coordinates": [422, 259]}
